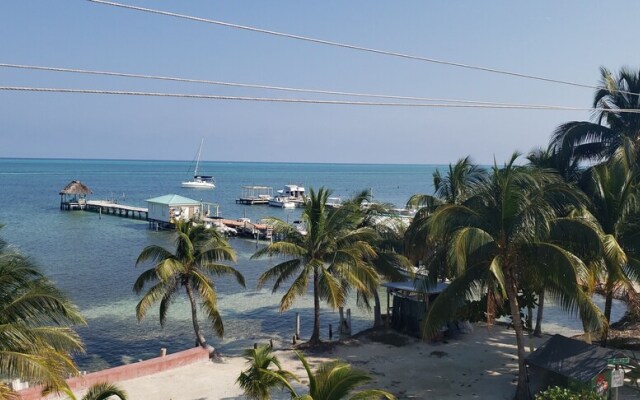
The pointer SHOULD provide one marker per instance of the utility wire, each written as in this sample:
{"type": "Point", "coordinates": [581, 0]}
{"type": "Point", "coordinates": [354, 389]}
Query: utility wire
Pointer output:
{"type": "Point", "coordinates": [348, 46]}
{"type": "Point", "coordinates": [242, 85]}
{"type": "Point", "coordinates": [312, 101]}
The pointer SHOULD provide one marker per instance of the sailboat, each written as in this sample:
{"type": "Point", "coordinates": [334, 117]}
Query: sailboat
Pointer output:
{"type": "Point", "coordinates": [199, 181]}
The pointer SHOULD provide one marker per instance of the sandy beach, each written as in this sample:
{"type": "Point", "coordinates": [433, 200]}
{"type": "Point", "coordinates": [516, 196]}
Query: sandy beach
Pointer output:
{"type": "Point", "coordinates": [480, 365]}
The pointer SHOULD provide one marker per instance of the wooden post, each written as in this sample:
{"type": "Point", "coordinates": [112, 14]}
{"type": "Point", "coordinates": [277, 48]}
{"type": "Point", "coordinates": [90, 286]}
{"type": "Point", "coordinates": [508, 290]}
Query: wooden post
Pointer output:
{"type": "Point", "coordinates": [271, 343]}
{"type": "Point", "coordinates": [255, 346]}
{"type": "Point", "coordinates": [298, 326]}
{"type": "Point", "coordinates": [349, 321]}
{"type": "Point", "coordinates": [330, 332]}
{"type": "Point", "coordinates": [163, 352]}
{"type": "Point", "coordinates": [341, 329]}
{"type": "Point", "coordinates": [294, 339]}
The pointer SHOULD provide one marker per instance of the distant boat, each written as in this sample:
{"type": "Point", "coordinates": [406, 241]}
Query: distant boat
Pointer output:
{"type": "Point", "coordinates": [281, 201]}
{"type": "Point", "coordinates": [199, 181]}
{"type": "Point", "coordinates": [333, 202]}
{"type": "Point", "coordinates": [294, 194]}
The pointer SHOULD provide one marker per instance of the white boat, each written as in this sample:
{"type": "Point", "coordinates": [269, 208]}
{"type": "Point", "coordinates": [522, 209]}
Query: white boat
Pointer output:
{"type": "Point", "coordinates": [333, 202]}
{"type": "Point", "coordinates": [294, 194]}
{"type": "Point", "coordinates": [282, 202]}
{"type": "Point", "coordinates": [199, 181]}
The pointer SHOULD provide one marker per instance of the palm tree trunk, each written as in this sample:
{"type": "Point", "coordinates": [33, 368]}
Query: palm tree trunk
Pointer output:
{"type": "Point", "coordinates": [491, 305]}
{"type": "Point", "coordinates": [522, 392]}
{"type": "Point", "coordinates": [200, 340]}
{"type": "Point", "coordinates": [377, 313]}
{"type": "Point", "coordinates": [315, 336]}
{"type": "Point", "coordinates": [538, 330]}
{"type": "Point", "coordinates": [608, 304]}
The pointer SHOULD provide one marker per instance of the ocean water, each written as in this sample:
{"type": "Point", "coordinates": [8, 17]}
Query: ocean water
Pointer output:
{"type": "Point", "coordinates": [93, 258]}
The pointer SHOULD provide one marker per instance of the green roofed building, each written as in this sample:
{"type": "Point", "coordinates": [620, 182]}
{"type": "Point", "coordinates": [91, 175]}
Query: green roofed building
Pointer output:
{"type": "Point", "coordinates": [171, 208]}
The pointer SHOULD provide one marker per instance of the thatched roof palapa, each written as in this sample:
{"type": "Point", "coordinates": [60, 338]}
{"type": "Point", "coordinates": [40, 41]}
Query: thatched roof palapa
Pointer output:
{"type": "Point", "coordinates": [76, 187]}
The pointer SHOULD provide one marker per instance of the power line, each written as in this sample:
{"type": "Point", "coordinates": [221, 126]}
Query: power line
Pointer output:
{"type": "Point", "coordinates": [310, 101]}
{"type": "Point", "coordinates": [348, 46]}
{"type": "Point", "coordinates": [242, 85]}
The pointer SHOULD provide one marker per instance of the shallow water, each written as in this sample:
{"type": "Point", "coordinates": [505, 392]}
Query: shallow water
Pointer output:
{"type": "Point", "coordinates": [92, 258]}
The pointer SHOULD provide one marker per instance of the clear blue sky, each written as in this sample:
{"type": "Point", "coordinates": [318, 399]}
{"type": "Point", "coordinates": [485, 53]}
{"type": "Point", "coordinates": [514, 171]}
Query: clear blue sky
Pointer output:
{"type": "Point", "coordinates": [566, 40]}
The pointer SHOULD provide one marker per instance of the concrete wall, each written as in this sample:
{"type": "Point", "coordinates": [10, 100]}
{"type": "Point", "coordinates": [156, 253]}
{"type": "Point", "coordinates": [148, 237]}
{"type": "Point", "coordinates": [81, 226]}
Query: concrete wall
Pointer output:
{"type": "Point", "coordinates": [126, 372]}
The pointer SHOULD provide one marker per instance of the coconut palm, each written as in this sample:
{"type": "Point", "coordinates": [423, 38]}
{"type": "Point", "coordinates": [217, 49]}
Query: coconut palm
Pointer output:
{"type": "Point", "coordinates": [36, 338]}
{"type": "Point", "coordinates": [615, 205]}
{"type": "Point", "coordinates": [388, 244]}
{"type": "Point", "coordinates": [611, 129]}
{"type": "Point", "coordinates": [568, 168]}
{"type": "Point", "coordinates": [104, 391]}
{"type": "Point", "coordinates": [332, 253]}
{"type": "Point", "coordinates": [336, 380]}
{"type": "Point", "coordinates": [505, 225]}
{"type": "Point", "coordinates": [260, 378]}
{"type": "Point", "coordinates": [197, 258]}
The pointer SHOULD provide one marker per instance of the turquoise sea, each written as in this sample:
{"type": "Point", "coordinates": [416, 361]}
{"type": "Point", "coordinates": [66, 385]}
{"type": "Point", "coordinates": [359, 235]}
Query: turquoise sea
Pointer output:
{"type": "Point", "coordinates": [92, 258]}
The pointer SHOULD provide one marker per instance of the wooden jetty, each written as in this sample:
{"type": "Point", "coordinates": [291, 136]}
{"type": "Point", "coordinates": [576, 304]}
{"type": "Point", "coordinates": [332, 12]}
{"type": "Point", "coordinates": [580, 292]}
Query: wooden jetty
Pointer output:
{"type": "Point", "coordinates": [255, 195]}
{"type": "Point", "coordinates": [121, 210]}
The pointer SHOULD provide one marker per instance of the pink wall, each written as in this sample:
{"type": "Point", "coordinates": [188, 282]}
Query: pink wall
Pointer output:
{"type": "Point", "coordinates": [129, 371]}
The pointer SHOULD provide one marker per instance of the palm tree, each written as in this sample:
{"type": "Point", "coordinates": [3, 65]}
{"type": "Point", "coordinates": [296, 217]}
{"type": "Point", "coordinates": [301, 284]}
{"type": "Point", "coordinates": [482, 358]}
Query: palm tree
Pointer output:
{"type": "Point", "coordinates": [612, 127]}
{"type": "Point", "coordinates": [506, 224]}
{"type": "Point", "coordinates": [332, 253]}
{"type": "Point", "coordinates": [36, 338]}
{"type": "Point", "coordinates": [388, 244]}
{"type": "Point", "coordinates": [336, 380]}
{"type": "Point", "coordinates": [259, 379]}
{"type": "Point", "coordinates": [197, 258]}
{"type": "Point", "coordinates": [104, 391]}
{"type": "Point", "coordinates": [615, 206]}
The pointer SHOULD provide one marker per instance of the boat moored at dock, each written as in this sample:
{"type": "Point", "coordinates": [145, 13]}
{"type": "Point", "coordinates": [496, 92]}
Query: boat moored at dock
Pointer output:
{"type": "Point", "coordinates": [282, 202]}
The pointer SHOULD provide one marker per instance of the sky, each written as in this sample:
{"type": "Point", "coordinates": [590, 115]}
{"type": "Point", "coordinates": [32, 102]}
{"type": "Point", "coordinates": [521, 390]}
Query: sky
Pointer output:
{"type": "Point", "coordinates": [567, 40]}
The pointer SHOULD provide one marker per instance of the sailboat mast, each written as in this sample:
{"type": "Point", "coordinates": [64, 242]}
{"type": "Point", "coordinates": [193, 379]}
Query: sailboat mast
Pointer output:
{"type": "Point", "coordinates": [195, 173]}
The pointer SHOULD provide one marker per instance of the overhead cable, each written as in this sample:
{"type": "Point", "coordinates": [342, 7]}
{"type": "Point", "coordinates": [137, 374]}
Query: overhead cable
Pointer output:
{"type": "Point", "coordinates": [348, 46]}
{"type": "Point", "coordinates": [312, 101]}
{"type": "Point", "coordinates": [242, 85]}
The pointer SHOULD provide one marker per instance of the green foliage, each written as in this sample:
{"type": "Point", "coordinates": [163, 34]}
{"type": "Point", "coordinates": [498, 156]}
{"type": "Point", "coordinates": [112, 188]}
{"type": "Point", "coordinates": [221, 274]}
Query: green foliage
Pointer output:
{"type": "Point", "coordinates": [104, 391]}
{"type": "Point", "coordinates": [196, 260]}
{"type": "Point", "coordinates": [263, 375]}
{"type": "Point", "coordinates": [333, 253]}
{"type": "Point", "coordinates": [36, 338]}
{"type": "Point", "coordinates": [560, 393]}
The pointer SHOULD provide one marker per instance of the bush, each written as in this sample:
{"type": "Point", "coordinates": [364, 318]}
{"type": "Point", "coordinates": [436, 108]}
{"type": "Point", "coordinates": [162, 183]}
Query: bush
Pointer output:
{"type": "Point", "coordinates": [560, 393]}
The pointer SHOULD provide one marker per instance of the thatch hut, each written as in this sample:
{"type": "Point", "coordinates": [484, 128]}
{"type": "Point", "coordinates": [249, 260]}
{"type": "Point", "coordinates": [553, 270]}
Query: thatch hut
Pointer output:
{"type": "Point", "coordinates": [74, 195]}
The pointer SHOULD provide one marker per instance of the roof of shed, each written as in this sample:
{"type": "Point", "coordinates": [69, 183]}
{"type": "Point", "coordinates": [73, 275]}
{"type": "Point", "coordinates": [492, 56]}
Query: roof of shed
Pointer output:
{"type": "Point", "coordinates": [174, 200]}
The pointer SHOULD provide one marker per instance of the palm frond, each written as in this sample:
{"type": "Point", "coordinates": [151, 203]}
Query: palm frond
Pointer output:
{"type": "Point", "coordinates": [104, 391]}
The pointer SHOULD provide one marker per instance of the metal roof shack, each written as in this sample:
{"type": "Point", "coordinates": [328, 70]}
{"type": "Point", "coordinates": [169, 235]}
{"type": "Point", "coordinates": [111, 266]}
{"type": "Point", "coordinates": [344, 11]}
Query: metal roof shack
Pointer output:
{"type": "Point", "coordinates": [410, 303]}
{"type": "Point", "coordinates": [572, 363]}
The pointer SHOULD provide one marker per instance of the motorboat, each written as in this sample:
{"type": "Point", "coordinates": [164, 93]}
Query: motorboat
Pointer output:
{"type": "Point", "coordinates": [199, 181]}
{"type": "Point", "coordinates": [333, 202]}
{"type": "Point", "coordinates": [294, 194]}
{"type": "Point", "coordinates": [282, 202]}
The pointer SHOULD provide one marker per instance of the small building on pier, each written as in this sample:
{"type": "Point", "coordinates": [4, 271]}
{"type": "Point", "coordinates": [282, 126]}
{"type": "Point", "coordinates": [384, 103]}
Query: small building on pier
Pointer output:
{"type": "Point", "coordinates": [74, 196]}
{"type": "Point", "coordinates": [171, 208]}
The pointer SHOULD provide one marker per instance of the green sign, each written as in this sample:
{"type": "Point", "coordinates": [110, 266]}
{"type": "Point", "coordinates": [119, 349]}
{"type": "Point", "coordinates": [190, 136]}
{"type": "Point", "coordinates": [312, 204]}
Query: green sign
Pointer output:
{"type": "Point", "coordinates": [618, 361]}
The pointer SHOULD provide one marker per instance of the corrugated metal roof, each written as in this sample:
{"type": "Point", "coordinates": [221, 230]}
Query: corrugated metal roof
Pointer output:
{"type": "Point", "coordinates": [410, 286]}
{"type": "Point", "coordinates": [572, 358]}
{"type": "Point", "coordinates": [174, 200]}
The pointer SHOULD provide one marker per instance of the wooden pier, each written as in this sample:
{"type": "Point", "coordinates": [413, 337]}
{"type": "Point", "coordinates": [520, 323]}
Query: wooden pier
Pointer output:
{"type": "Point", "coordinates": [255, 195]}
{"type": "Point", "coordinates": [121, 210]}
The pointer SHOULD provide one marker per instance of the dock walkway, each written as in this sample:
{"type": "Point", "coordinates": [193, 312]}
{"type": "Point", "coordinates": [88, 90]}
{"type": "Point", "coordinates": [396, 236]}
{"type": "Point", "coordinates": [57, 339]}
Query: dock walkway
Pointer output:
{"type": "Point", "coordinates": [122, 210]}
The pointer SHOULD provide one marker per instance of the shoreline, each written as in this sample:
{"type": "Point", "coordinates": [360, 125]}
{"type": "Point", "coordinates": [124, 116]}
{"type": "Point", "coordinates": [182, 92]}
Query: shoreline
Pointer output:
{"type": "Point", "coordinates": [481, 364]}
